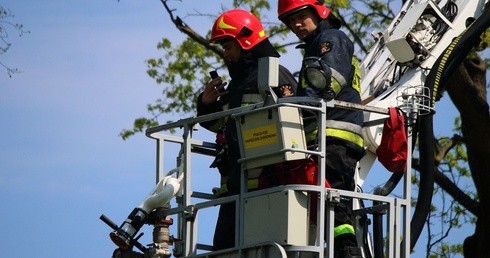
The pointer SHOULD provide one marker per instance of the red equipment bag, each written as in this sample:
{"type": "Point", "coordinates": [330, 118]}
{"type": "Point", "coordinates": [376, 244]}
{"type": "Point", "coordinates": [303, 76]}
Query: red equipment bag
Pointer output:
{"type": "Point", "coordinates": [304, 171]}
{"type": "Point", "coordinates": [392, 151]}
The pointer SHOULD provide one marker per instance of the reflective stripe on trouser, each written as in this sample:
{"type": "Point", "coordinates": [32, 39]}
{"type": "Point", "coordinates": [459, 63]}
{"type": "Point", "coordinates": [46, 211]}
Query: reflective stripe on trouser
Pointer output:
{"type": "Point", "coordinates": [343, 229]}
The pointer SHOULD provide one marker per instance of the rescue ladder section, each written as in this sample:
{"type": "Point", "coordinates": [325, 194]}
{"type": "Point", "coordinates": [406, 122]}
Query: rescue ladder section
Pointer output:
{"type": "Point", "coordinates": [274, 222]}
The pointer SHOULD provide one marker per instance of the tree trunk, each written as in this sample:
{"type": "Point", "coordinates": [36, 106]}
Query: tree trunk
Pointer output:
{"type": "Point", "coordinates": [467, 90]}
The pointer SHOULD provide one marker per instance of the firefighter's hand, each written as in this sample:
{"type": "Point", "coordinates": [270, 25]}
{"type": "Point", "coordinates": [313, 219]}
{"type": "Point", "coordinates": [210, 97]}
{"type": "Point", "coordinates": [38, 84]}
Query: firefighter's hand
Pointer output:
{"type": "Point", "coordinates": [213, 90]}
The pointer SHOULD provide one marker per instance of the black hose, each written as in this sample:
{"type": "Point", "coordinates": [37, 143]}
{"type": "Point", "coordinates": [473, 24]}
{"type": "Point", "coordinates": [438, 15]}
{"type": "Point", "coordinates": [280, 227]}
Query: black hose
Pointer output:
{"type": "Point", "coordinates": [441, 71]}
{"type": "Point", "coordinates": [378, 246]}
{"type": "Point", "coordinates": [445, 65]}
{"type": "Point", "coordinates": [388, 187]}
{"type": "Point", "coordinates": [378, 236]}
{"type": "Point", "coordinates": [426, 182]}
{"type": "Point", "coordinates": [465, 42]}
{"type": "Point", "coordinates": [385, 190]}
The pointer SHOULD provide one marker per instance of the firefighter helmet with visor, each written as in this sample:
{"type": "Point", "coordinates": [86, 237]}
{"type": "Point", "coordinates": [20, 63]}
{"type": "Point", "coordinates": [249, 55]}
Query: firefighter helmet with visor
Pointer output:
{"type": "Point", "coordinates": [288, 7]}
{"type": "Point", "coordinates": [242, 25]}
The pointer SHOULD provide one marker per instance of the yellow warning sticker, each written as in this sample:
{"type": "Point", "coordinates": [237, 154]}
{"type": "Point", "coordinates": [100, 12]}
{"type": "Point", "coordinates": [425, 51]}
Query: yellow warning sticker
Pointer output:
{"type": "Point", "coordinates": [260, 136]}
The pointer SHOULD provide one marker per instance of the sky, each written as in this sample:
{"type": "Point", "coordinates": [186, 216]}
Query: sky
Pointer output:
{"type": "Point", "coordinates": [83, 79]}
{"type": "Point", "coordinates": [62, 164]}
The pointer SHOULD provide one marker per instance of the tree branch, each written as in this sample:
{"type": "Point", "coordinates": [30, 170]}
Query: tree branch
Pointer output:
{"type": "Point", "coordinates": [184, 28]}
{"type": "Point", "coordinates": [457, 194]}
{"type": "Point", "coordinates": [4, 43]}
{"type": "Point", "coordinates": [357, 39]}
{"type": "Point", "coordinates": [452, 189]}
{"type": "Point", "coordinates": [442, 150]}
{"type": "Point", "coordinates": [443, 235]}
{"type": "Point", "coordinates": [467, 90]}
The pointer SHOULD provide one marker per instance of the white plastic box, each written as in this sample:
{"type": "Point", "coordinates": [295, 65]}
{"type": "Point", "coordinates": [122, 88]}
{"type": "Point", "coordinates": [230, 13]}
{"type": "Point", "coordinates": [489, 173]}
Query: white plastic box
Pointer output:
{"type": "Point", "coordinates": [280, 217]}
{"type": "Point", "coordinates": [266, 135]}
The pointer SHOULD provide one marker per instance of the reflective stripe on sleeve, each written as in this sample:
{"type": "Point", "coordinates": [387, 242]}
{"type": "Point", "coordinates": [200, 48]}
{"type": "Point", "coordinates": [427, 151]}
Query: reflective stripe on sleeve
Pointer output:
{"type": "Point", "coordinates": [346, 126]}
{"type": "Point", "coordinates": [342, 134]}
{"type": "Point", "coordinates": [346, 135]}
{"type": "Point", "coordinates": [343, 229]}
{"type": "Point", "coordinates": [339, 81]}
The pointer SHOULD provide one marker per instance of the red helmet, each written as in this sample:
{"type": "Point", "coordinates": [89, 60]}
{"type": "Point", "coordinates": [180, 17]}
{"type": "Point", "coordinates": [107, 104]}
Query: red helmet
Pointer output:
{"type": "Point", "coordinates": [287, 7]}
{"type": "Point", "coordinates": [241, 25]}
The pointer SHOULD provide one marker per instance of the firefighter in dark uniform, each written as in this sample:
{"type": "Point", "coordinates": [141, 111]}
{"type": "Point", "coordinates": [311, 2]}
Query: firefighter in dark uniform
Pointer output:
{"type": "Point", "coordinates": [330, 51]}
{"type": "Point", "coordinates": [244, 41]}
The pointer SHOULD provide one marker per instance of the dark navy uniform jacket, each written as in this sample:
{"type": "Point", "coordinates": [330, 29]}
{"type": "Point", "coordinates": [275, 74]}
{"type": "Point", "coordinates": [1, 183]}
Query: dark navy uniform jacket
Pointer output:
{"type": "Point", "coordinates": [336, 50]}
